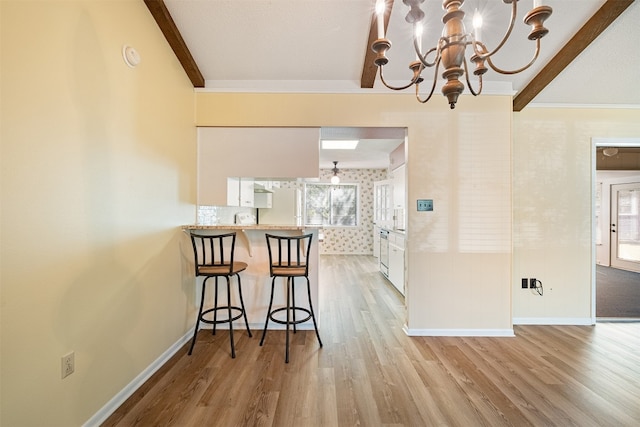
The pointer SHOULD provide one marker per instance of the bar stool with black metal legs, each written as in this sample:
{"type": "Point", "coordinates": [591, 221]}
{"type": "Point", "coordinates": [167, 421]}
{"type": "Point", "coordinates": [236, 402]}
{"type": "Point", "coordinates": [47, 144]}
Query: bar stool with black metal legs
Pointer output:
{"type": "Point", "coordinates": [214, 257]}
{"type": "Point", "coordinates": [288, 258]}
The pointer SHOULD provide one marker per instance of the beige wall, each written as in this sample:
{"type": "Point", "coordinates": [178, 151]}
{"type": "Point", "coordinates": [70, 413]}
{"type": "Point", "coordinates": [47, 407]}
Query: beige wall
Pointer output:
{"type": "Point", "coordinates": [459, 255]}
{"type": "Point", "coordinates": [552, 207]}
{"type": "Point", "coordinates": [98, 172]}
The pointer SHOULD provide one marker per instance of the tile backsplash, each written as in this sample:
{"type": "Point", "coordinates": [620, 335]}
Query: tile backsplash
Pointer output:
{"type": "Point", "coordinates": [220, 215]}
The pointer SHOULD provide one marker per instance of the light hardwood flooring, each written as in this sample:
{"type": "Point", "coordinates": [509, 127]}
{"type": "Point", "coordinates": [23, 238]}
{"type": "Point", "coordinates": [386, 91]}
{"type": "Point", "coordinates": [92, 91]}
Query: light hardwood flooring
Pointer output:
{"type": "Point", "coordinates": [370, 373]}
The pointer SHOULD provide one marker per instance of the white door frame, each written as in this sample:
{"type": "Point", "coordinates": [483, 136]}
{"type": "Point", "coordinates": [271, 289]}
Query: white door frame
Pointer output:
{"type": "Point", "coordinates": [595, 143]}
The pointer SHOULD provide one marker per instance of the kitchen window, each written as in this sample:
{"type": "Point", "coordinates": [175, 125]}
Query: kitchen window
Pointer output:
{"type": "Point", "coordinates": [331, 205]}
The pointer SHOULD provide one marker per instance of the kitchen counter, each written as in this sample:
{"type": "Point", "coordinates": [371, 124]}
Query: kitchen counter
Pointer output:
{"type": "Point", "coordinates": [247, 227]}
{"type": "Point", "coordinates": [243, 228]}
{"type": "Point", "coordinates": [256, 281]}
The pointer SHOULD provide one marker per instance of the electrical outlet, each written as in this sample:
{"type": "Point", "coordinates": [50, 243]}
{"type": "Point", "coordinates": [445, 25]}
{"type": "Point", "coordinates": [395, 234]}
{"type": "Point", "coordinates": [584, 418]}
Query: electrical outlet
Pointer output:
{"type": "Point", "coordinates": [68, 364]}
{"type": "Point", "coordinates": [525, 283]}
{"type": "Point", "coordinates": [532, 283]}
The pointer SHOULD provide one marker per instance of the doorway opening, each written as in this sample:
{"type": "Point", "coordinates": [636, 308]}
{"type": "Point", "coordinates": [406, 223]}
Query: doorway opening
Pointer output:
{"type": "Point", "coordinates": [377, 165]}
{"type": "Point", "coordinates": [616, 213]}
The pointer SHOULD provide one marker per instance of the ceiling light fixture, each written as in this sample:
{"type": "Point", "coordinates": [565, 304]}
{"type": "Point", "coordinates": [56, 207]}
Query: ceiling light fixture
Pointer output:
{"type": "Point", "coordinates": [450, 50]}
{"type": "Point", "coordinates": [610, 151]}
{"type": "Point", "coordinates": [339, 144]}
{"type": "Point", "coordinates": [335, 179]}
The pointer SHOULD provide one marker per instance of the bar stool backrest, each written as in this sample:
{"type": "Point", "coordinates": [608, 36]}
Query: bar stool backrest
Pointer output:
{"type": "Point", "coordinates": [213, 254]}
{"type": "Point", "coordinates": [288, 255]}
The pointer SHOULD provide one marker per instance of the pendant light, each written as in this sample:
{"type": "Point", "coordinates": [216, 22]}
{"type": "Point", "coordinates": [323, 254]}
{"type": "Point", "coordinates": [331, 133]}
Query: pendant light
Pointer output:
{"type": "Point", "coordinates": [335, 179]}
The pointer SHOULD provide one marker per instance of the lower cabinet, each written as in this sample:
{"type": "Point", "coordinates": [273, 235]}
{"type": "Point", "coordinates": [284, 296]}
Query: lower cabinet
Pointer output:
{"type": "Point", "coordinates": [396, 261]}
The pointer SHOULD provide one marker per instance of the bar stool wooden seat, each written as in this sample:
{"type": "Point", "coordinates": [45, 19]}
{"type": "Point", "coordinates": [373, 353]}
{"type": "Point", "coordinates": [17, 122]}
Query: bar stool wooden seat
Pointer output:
{"type": "Point", "coordinates": [214, 257]}
{"type": "Point", "coordinates": [288, 258]}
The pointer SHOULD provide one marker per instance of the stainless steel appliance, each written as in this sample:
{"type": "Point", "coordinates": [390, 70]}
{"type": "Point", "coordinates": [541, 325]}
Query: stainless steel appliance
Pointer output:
{"type": "Point", "coordinates": [384, 252]}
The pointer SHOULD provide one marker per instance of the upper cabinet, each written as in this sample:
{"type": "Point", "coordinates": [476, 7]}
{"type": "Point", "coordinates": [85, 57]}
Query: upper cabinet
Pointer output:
{"type": "Point", "coordinates": [240, 192]}
{"type": "Point", "coordinates": [249, 193]}
{"type": "Point", "coordinates": [399, 190]}
{"type": "Point", "coordinates": [253, 152]}
{"type": "Point", "coordinates": [398, 168]}
{"type": "Point", "coordinates": [397, 157]}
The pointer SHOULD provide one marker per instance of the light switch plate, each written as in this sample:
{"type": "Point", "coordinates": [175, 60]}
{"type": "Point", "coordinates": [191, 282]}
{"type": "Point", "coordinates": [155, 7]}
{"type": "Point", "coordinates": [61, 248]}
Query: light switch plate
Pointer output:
{"type": "Point", "coordinates": [425, 205]}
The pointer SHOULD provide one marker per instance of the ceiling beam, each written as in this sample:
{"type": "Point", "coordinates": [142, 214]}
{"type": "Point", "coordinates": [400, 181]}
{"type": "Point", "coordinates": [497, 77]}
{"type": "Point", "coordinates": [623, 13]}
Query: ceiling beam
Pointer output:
{"type": "Point", "coordinates": [608, 13]}
{"type": "Point", "coordinates": [369, 69]}
{"type": "Point", "coordinates": [163, 18]}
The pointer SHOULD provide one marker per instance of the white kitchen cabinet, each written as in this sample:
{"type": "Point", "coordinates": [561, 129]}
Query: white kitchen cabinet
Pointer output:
{"type": "Point", "coordinates": [399, 190]}
{"type": "Point", "coordinates": [382, 211]}
{"type": "Point", "coordinates": [396, 261]}
{"type": "Point", "coordinates": [240, 192]}
{"type": "Point", "coordinates": [399, 197]}
{"type": "Point", "coordinates": [383, 203]}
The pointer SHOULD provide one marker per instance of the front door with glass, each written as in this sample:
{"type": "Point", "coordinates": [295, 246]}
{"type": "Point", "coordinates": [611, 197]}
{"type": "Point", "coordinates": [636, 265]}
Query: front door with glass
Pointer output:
{"type": "Point", "coordinates": [625, 226]}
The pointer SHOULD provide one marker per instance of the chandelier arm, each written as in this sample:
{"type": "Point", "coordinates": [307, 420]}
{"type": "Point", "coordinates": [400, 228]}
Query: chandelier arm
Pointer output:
{"type": "Point", "coordinates": [433, 86]}
{"type": "Point", "coordinates": [411, 83]}
{"type": "Point", "coordinates": [423, 58]}
{"type": "Point", "coordinates": [485, 54]}
{"type": "Point", "coordinates": [466, 74]}
{"type": "Point", "coordinates": [501, 71]}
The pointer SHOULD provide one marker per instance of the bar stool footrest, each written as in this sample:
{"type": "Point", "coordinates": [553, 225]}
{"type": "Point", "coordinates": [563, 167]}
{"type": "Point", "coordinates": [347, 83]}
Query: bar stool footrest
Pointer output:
{"type": "Point", "coordinates": [225, 310]}
{"type": "Point", "coordinates": [291, 322]}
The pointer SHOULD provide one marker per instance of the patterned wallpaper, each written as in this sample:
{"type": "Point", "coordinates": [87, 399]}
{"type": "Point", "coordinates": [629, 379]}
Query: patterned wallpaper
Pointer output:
{"type": "Point", "coordinates": [350, 240]}
{"type": "Point", "coordinates": [353, 240]}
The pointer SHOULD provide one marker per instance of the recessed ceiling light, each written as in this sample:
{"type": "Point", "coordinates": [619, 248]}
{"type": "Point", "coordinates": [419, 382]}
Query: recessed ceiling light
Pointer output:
{"type": "Point", "coordinates": [342, 144]}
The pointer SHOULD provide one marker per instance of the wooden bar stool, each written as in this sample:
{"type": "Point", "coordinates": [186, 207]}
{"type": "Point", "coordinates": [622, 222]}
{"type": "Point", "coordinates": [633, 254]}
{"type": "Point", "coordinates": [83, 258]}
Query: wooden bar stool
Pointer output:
{"type": "Point", "coordinates": [214, 258]}
{"type": "Point", "coordinates": [288, 258]}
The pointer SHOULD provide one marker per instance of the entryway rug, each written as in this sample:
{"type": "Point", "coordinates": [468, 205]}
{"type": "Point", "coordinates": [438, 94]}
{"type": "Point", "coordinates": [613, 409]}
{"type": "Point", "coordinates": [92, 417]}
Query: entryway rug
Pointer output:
{"type": "Point", "coordinates": [617, 293]}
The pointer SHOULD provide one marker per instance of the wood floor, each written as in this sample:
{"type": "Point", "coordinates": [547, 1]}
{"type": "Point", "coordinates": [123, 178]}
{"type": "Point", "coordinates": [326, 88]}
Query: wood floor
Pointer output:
{"type": "Point", "coordinates": [370, 373]}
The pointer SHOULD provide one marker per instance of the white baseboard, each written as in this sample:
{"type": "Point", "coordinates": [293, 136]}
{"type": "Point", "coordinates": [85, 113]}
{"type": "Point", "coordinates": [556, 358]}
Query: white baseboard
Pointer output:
{"type": "Point", "coordinates": [117, 400]}
{"type": "Point", "coordinates": [459, 332]}
{"type": "Point", "coordinates": [111, 406]}
{"type": "Point", "coordinates": [573, 321]}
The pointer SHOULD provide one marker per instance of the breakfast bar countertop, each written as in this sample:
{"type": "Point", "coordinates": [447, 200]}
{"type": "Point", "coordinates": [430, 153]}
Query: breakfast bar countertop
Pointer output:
{"type": "Point", "coordinates": [247, 227]}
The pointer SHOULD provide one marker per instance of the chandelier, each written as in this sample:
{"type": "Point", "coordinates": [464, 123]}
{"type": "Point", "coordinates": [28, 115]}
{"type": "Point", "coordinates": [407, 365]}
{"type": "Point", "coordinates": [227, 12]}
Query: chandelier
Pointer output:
{"type": "Point", "coordinates": [451, 48]}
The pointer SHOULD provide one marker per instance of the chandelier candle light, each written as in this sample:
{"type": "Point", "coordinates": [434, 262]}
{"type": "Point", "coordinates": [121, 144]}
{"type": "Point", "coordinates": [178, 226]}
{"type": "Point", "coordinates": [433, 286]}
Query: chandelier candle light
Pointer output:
{"type": "Point", "coordinates": [450, 50]}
